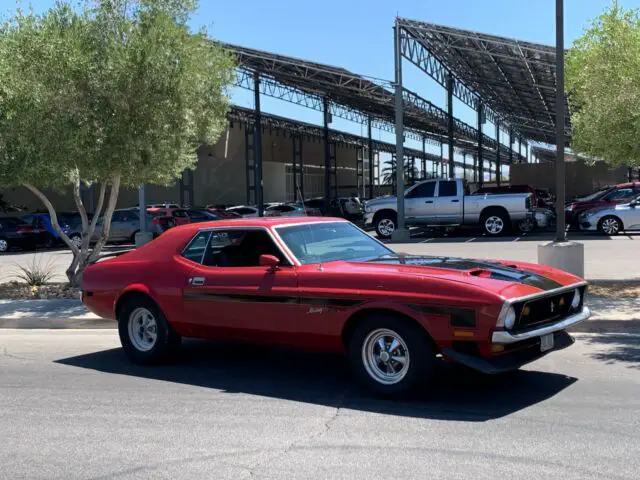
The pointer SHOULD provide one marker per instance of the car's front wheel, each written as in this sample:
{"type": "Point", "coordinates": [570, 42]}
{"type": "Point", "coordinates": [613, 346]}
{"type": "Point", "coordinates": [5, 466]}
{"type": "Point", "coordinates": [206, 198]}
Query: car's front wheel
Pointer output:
{"type": "Point", "coordinates": [386, 224]}
{"type": "Point", "coordinates": [145, 334]}
{"type": "Point", "coordinates": [4, 245]}
{"type": "Point", "coordinates": [610, 225]}
{"type": "Point", "coordinates": [390, 355]}
{"type": "Point", "coordinates": [76, 240]}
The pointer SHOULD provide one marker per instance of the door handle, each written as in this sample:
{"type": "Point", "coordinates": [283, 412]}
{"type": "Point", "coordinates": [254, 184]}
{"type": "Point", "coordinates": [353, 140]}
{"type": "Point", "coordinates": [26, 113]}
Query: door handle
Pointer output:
{"type": "Point", "coordinates": [196, 281]}
{"type": "Point", "coordinates": [455, 201]}
{"type": "Point", "coordinates": [429, 201]}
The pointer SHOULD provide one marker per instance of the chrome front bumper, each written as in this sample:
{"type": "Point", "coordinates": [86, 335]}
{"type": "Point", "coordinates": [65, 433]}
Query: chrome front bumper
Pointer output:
{"type": "Point", "coordinates": [504, 336]}
{"type": "Point", "coordinates": [368, 218]}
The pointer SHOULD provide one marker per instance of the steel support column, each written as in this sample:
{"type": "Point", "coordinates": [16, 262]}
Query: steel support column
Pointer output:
{"type": "Point", "coordinates": [561, 235]}
{"type": "Point", "coordinates": [298, 169]}
{"type": "Point", "coordinates": [475, 169]}
{"type": "Point", "coordinates": [327, 155]}
{"type": "Point", "coordinates": [249, 138]}
{"type": "Point", "coordinates": [399, 127]}
{"type": "Point", "coordinates": [370, 153]}
{"type": "Point", "coordinates": [526, 151]}
{"type": "Point", "coordinates": [142, 202]}
{"type": "Point", "coordinates": [450, 124]}
{"type": "Point", "coordinates": [510, 147]}
{"type": "Point", "coordinates": [498, 166]}
{"type": "Point", "coordinates": [480, 161]}
{"type": "Point", "coordinates": [441, 160]}
{"type": "Point", "coordinates": [257, 146]}
{"type": "Point", "coordinates": [423, 171]}
{"type": "Point", "coordinates": [464, 165]}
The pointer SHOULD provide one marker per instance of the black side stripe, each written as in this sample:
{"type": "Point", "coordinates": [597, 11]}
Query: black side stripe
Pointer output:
{"type": "Point", "coordinates": [218, 297]}
{"type": "Point", "coordinates": [459, 317]}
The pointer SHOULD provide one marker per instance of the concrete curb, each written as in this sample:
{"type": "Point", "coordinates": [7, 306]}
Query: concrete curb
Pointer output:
{"type": "Point", "coordinates": [57, 323]}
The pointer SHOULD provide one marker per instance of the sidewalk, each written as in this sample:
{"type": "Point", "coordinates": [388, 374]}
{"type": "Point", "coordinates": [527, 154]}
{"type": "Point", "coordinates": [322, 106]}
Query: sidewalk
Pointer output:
{"type": "Point", "coordinates": [620, 315]}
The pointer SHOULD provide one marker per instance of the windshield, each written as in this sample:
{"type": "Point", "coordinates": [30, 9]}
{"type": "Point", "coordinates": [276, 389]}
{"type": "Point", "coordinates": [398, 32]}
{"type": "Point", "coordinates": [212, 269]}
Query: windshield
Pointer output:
{"type": "Point", "coordinates": [330, 242]}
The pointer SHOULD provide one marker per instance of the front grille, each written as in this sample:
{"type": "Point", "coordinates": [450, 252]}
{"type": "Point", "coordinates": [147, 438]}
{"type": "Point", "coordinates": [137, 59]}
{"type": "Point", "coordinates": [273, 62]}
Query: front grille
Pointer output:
{"type": "Point", "coordinates": [545, 310]}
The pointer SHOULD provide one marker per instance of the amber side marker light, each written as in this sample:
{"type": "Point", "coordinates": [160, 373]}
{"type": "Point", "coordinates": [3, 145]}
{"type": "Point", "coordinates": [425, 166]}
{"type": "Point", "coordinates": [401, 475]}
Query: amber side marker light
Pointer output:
{"type": "Point", "coordinates": [462, 333]}
{"type": "Point", "coordinates": [526, 311]}
{"type": "Point", "coordinates": [497, 348]}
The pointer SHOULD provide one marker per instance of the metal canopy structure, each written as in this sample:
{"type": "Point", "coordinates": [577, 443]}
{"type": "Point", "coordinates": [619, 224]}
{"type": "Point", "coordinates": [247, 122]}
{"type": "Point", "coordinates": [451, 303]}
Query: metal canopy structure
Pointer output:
{"type": "Point", "coordinates": [514, 80]}
{"type": "Point", "coordinates": [353, 97]}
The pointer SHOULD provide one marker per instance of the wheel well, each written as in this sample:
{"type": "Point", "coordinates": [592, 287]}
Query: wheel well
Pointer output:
{"type": "Point", "coordinates": [385, 212]}
{"type": "Point", "coordinates": [496, 210]}
{"type": "Point", "coordinates": [353, 321]}
{"type": "Point", "coordinates": [128, 296]}
{"type": "Point", "coordinates": [612, 216]}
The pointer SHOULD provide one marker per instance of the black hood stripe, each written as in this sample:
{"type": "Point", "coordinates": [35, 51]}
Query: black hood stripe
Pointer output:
{"type": "Point", "coordinates": [495, 271]}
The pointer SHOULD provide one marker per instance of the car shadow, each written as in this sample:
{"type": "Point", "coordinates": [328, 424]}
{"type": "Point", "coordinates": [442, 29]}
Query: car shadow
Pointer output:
{"type": "Point", "coordinates": [455, 394]}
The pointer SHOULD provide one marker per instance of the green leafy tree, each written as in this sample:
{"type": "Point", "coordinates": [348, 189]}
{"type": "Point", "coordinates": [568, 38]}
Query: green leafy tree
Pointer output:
{"type": "Point", "coordinates": [602, 76]}
{"type": "Point", "coordinates": [117, 93]}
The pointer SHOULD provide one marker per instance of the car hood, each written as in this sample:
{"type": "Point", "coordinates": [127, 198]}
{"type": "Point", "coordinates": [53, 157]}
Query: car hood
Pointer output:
{"type": "Point", "coordinates": [381, 201]}
{"type": "Point", "coordinates": [501, 277]}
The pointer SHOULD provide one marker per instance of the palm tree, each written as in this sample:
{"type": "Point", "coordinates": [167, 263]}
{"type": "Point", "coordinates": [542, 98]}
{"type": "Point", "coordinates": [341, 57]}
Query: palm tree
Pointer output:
{"type": "Point", "coordinates": [389, 173]}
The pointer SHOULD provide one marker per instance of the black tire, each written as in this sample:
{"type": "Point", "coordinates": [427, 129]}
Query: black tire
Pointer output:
{"type": "Point", "coordinates": [610, 225]}
{"type": "Point", "coordinates": [383, 222]}
{"type": "Point", "coordinates": [499, 216]}
{"type": "Point", "coordinates": [49, 241]}
{"type": "Point", "coordinates": [421, 363]}
{"type": "Point", "coordinates": [133, 237]}
{"type": "Point", "coordinates": [167, 340]}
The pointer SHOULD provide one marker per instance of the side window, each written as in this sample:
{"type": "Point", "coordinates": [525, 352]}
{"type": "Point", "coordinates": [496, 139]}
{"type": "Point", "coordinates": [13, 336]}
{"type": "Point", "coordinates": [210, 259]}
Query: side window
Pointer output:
{"type": "Point", "coordinates": [196, 248]}
{"type": "Point", "coordinates": [621, 193]}
{"type": "Point", "coordinates": [447, 189]}
{"type": "Point", "coordinates": [240, 248]}
{"type": "Point", "coordinates": [424, 190]}
{"type": "Point", "coordinates": [179, 213]}
{"type": "Point", "coordinates": [196, 215]}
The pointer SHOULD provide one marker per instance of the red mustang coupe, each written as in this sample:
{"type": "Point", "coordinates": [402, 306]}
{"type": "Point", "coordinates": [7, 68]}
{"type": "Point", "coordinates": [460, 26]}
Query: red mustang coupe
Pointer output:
{"type": "Point", "coordinates": [324, 284]}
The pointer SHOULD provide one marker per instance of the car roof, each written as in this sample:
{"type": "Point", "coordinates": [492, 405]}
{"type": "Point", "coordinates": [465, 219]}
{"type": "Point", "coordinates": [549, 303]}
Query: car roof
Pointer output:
{"type": "Point", "coordinates": [267, 222]}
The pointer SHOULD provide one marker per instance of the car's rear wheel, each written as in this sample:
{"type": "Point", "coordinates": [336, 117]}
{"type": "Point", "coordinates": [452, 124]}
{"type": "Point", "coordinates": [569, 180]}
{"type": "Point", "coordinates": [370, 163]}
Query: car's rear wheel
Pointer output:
{"type": "Point", "coordinates": [4, 245]}
{"type": "Point", "coordinates": [390, 356]}
{"type": "Point", "coordinates": [145, 334]}
{"type": "Point", "coordinates": [610, 225]}
{"type": "Point", "coordinates": [495, 222]}
{"type": "Point", "coordinates": [385, 225]}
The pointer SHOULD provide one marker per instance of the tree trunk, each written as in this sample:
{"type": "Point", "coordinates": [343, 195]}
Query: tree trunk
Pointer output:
{"type": "Point", "coordinates": [83, 257]}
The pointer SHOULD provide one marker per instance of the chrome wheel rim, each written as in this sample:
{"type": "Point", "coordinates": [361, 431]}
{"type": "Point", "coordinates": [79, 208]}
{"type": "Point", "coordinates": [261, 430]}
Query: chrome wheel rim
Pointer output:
{"type": "Point", "coordinates": [143, 329]}
{"type": "Point", "coordinates": [386, 227]}
{"type": "Point", "coordinates": [610, 226]}
{"type": "Point", "coordinates": [385, 356]}
{"type": "Point", "coordinates": [76, 241]}
{"type": "Point", "coordinates": [4, 246]}
{"type": "Point", "coordinates": [494, 225]}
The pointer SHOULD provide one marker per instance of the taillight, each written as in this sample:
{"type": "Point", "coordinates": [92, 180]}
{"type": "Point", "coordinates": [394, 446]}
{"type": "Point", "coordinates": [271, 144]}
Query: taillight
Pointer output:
{"type": "Point", "coordinates": [24, 230]}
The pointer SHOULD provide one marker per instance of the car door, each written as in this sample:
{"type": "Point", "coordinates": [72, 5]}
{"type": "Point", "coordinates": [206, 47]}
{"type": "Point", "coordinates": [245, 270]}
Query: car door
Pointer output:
{"type": "Point", "coordinates": [123, 225]}
{"type": "Point", "coordinates": [228, 294]}
{"type": "Point", "coordinates": [449, 203]}
{"type": "Point", "coordinates": [419, 203]}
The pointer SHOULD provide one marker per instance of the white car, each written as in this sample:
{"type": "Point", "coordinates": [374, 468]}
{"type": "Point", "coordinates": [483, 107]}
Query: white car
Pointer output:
{"type": "Point", "coordinates": [244, 211]}
{"type": "Point", "coordinates": [291, 210]}
{"type": "Point", "coordinates": [613, 219]}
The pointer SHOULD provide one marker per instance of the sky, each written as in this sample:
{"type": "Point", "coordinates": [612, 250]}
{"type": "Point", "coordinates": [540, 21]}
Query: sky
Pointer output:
{"type": "Point", "coordinates": [357, 35]}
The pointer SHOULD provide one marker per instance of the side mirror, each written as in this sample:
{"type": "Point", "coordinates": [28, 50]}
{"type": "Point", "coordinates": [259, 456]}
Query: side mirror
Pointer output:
{"type": "Point", "coordinates": [269, 261]}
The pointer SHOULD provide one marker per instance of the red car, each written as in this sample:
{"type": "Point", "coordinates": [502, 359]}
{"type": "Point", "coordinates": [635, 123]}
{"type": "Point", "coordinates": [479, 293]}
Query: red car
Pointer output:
{"type": "Point", "coordinates": [604, 197]}
{"type": "Point", "coordinates": [324, 284]}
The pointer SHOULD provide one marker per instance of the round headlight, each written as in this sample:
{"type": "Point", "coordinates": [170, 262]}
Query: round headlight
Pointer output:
{"type": "Point", "coordinates": [575, 303]}
{"type": "Point", "coordinates": [510, 319]}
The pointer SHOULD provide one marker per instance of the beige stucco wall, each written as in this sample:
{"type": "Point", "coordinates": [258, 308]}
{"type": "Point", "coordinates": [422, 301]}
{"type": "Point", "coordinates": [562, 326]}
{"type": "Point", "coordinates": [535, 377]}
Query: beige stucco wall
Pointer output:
{"type": "Point", "coordinates": [220, 176]}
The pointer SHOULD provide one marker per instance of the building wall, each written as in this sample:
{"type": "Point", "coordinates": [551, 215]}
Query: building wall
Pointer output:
{"type": "Point", "coordinates": [220, 176]}
{"type": "Point", "coordinates": [582, 178]}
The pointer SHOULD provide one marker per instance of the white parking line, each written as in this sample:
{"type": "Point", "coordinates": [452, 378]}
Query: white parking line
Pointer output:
{"type": "Point", "coordinates": [516, 239]}
{"type": "Point", "coordinates": [470, 240]}
{"type": "Point", "coordinates": [427, 240]}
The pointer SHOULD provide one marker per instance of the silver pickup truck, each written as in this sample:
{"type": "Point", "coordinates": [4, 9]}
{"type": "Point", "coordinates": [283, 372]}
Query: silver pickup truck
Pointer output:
{"type": "Point", "coordinates": [446, 203]}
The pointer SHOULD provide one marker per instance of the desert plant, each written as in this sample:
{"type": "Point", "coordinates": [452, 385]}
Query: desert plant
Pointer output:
{"type": "Point", "coordinates": [35, 273]}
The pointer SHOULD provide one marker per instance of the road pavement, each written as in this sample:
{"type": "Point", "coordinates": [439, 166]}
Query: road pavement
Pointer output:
{"type": "Point", "coordinates": [74, 408]}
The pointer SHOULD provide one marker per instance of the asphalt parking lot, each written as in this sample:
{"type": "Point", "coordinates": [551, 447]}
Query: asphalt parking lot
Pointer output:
{"type": "Point", "coordinates": [606, 258]}
{"type": "Point", "coordinates": [73, 407]}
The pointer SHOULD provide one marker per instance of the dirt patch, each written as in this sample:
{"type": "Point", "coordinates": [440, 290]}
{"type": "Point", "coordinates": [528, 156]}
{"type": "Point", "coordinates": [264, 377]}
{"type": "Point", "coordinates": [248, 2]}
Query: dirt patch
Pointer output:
{"type": "Point", "coordinates": [615, 290]}
{"type": "Point", "coordinates": [22, 291]}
